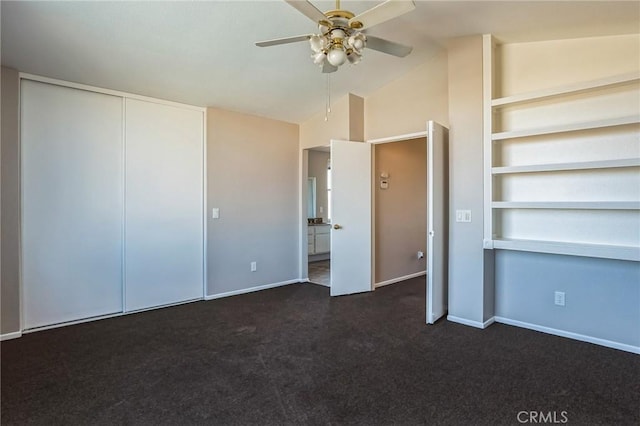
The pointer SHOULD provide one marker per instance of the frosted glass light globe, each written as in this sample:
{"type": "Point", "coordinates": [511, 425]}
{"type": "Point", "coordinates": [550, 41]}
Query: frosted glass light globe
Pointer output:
{"type": "Point", "coordinates": [357, 42]}
{"type": "Point", "coordinates": [318, 58]}
{"type": "Point", "coordinates": [336, 57]}
{"type": "Point", "coordinates": [317, 43]}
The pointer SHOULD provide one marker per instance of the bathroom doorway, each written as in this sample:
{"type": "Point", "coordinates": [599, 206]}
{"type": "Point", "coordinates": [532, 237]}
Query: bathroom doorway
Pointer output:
{"type": "Point", "coordinates": [319, 215]}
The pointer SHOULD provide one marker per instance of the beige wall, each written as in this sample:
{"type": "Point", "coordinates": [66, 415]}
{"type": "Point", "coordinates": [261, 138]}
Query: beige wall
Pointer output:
{"type": "Point", "coordinates": [10, 191]}
{"type": "Point", "coordinates": [252, 177]}
{"type": "Point", "coordinates": [523, 67]}
{"type": "Point", "coordinates": [318, 132]}
{"type": "Point", "coordinates": [405, 105]}
{"type": "Point", "coordinates": [467, 290]}
{"type": "Point", "coordinates": [318, 169]}
{"type": "Point", "coordinates": [356, 118]}
{"type": "Point", "coordinates": [401, 209]}
{"type": "Point", "coordinates": [345, 122]}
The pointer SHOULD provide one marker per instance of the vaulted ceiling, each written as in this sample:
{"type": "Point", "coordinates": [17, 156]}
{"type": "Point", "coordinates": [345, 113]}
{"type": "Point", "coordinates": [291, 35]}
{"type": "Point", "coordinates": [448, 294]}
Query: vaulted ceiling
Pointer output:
{"type": "Point", "coordinates": [203, 53]}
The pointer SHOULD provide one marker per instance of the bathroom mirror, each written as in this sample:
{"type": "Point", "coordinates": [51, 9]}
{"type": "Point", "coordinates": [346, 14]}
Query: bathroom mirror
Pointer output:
{"type": "Point", "coordinates": [311, 197]}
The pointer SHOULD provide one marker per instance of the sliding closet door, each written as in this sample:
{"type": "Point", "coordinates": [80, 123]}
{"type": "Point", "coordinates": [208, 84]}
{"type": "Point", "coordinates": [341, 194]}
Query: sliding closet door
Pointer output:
{"type": "Point", "coordinates": [72, 208]}
{"type": "Point", "coordinates": [163, 204]}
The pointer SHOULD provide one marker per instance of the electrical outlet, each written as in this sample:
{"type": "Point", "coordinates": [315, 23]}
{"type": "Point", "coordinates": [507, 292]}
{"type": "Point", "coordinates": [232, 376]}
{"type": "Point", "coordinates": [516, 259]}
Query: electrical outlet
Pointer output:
{"type": "Point", "coordinates": [559, 298]}
{"type": "Point", "coordinates": [420, 255]}
{"type": "Point", "coordinates": [254, 266]}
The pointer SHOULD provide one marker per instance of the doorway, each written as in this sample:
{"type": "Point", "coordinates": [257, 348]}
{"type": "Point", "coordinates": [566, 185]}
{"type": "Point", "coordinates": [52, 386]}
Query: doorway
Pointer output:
{"type": "Point", "coordinates": [318, 208]}
{"type": "Point", "coordinates": [437, 213]}
{"type": "Point", "coordinates": [351, 236]}
{"type": "Point", "coordinates": [400, 210]}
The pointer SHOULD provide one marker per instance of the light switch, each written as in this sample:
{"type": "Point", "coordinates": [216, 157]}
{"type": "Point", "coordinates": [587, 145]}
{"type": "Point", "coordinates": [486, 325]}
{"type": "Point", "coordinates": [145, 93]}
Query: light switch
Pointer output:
{"type": "Point", "coordinates": [463, 215]}
{"type": "Point", "coordinates": [215, 213]}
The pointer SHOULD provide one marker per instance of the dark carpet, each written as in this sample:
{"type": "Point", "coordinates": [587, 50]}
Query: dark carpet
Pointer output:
{"type": "Point", "coordinates": [294, 356]}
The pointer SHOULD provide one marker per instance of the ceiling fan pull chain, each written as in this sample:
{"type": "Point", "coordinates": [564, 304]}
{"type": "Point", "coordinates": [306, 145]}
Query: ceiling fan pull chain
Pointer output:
{"type": "Point", "coordinates": [328, 100]}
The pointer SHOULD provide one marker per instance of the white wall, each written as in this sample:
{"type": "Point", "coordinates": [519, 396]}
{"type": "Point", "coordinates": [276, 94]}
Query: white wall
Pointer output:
{"type": "Point", "coordinates": [252, 177]}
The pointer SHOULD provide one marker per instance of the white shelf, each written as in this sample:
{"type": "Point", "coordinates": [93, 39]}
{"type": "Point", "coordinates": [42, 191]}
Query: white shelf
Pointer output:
{"type": "Point", "coordinates": [596, 124]}
{"type": "Point", "coordinates": [571, 205]}
{"type": "Point", "coordinates": [568, 89]}
{"type": "Point", "coordinates": [556, 167]}
{"type": "Point", "coordinates": [573, 249]}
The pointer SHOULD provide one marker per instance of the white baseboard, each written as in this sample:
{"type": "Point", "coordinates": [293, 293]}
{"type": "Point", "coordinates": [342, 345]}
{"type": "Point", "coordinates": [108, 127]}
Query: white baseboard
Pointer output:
{"type": "Point", "coordinates": [570, 335]}
{"type": "Point", "coordinates": [476, 324]}
{"type": "Point", "coordinates": [397, 280]}
{"type": "Point", "coordinates": [9, 336]}
{"type": "Point", "coordinates": [249, 290]}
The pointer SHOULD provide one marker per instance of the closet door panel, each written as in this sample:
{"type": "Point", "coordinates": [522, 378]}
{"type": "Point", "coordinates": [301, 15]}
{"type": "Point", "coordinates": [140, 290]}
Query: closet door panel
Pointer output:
{"type": "Point", "coordinates": [72, 203]}
{"type": "Point", "coordinates": [164, 205]}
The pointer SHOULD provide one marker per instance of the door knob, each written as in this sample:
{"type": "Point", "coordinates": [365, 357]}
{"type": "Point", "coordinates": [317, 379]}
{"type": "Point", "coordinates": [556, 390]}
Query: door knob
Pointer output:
{"type": "Point", "coordinates": [336, 226]}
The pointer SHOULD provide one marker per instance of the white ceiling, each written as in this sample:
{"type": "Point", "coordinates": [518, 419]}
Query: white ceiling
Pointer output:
{"type": "Point", "coordinates": [203, 53]}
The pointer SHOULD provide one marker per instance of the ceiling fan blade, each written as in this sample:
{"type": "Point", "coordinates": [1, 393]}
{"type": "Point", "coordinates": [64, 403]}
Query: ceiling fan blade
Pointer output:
{"type": "Point", "coordinates": [308, 10]}
{"type": "Point", "coordinates": [386, 46]}
{"type": "Point", "coordinates": [285, 40]}
{"type": "Point", "coordinates": [328, 68]}
{"type": "Point", "coordinates": [383, 12]}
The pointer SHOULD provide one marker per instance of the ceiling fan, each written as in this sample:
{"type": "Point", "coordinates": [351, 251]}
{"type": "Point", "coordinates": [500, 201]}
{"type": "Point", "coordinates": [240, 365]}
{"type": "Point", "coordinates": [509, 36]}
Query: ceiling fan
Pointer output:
{"type": "Point", "coordinates": [342, 33]}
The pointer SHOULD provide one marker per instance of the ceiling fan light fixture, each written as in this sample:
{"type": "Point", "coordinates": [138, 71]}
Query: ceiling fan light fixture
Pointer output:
{"type": "Point", "coordinates": [336, 56]}
{"type": "Point", "coordinates": [318, 43]}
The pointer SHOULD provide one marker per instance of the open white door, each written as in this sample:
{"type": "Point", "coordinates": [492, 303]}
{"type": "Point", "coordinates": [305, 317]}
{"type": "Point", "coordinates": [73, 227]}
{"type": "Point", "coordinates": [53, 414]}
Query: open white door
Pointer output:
{"type": "Point", "coordinates": [437, 224]}
{"type": "Point", "coordinates": [350, 217]}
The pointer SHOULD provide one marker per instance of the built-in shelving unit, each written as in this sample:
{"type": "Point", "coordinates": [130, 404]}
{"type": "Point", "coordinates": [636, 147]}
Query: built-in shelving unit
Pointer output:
{"type": "Point", "coordinates": [521, 199]}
